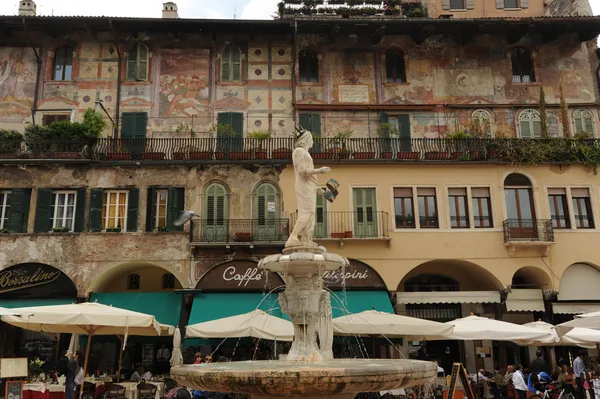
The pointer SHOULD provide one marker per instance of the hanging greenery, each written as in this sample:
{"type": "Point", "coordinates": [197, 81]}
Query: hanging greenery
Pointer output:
{"type": "Point", "coordinates": [543, 115]}
{"type": "Point", "coordinates": [564, 112]}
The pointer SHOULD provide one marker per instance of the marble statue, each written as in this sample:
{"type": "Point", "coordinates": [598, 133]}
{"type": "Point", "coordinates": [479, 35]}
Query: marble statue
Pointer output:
{"type": "Point", "coordinates": [306, 192]}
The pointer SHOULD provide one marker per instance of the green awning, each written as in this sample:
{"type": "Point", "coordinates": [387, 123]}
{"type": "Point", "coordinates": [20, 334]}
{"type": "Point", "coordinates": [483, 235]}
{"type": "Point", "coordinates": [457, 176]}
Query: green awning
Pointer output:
{"type": "Point", "coordinates": [217, 305]}
{"type": "Point", "coordinates": [343, 303]}
{"type": "Point", "coordinates": [165, 306]}
{"type": "Point", "coordinates": [26, 303]}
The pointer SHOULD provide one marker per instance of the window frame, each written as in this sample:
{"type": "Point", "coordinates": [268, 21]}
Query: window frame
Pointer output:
{"type": "Point", "coordinates": [65, 58]}
{"type": "Point", "coordinates": [480, 207]}
{"type": "Point", "coordinates": [168, 278]}
{"type": "Point", "coordinates": [516, 7]}
{"type": "Point", "coordinates": [138, 61]}
{"type": "Point", "coordinates": [157, 206]}
{"type": "Point", "coordinates": [552, 201]}
{"type": "Point", "coordinates": [308, 59]}
{"type": "Point", "coordinates": [580, 114]}
{"type": "Point", "coordinates": [426, 206]}
{"type": "Point", "coordinates": [453, 202]}
{"type": "Point", "coordinates": [133, 279]}
{"type": "Point", "coordinates": [105, 219]}
{"type": "Point", "coordinates": [477, 117]}
{"type": "Point", "coordinates": [227, 56]}
{"type": "Point", "coordinates": [522, 56]}
{"type": "Point", "coordinates": [5, 208]}
{"type": "Point", "coordinates": [579, 203]}
{"type": "Point", "coordinates": [526, 116]}
{"type": "Point", "coordinates": [55, 117]}
{"type": "Point", "coordinates": [464, 5]}
{"type": "Point", "coordinates": [54, 208]}
{"type": "Point", "coordinates": [403, 215]}
{"type": "Point", "coordinates": [399, 57]}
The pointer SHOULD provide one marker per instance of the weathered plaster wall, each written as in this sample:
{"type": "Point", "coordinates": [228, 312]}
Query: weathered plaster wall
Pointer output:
{"type": "Point", "coordinates": [487, 9]}
{"type": "Point", "coordinates": [87, 257]}
{"type": "Point", "coordinates": [17, 82]}
{"type": "Point", "coordinates": [569, 8]}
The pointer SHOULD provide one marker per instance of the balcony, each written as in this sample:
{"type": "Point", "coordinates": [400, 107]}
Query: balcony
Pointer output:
{"type": "Point", "coordinates": [279, 151]}
{"type": "Point", "coordinates": [527, 233]}
{"type": "Point", "coordinates": [349, 226]}
{"type": "Point", "coordinates": [239, 232]}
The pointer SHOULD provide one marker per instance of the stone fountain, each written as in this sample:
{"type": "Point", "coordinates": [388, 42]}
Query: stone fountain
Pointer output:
{"type": "Point", "coordinates": [309, 369]}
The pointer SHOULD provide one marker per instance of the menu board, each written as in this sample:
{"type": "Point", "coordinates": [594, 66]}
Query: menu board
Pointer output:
{"type": "Point", "coordinates": [14, 390]}
{"type": "Point", "coordinates": [458, 371]}
{"type": "Point", "coordinates": [13, 367]}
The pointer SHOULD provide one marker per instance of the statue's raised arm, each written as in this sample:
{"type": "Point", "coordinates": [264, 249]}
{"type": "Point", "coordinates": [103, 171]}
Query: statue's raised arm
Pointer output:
{"type": "Point", "coordinates": [306, 191]}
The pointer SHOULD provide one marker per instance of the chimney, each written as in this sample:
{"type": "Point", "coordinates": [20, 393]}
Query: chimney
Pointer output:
{"type": "Point", "coordinates": [170, 10]}
{"type": "Point", "coordinates": [27, 8]}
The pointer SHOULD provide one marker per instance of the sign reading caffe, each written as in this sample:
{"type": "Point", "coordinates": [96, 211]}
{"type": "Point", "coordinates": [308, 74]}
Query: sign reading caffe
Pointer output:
{"type": "Point", "coordinates": [239, 275]}
{"type": "Point", "coordinates": [35, 281]}
{"type": "Point", "coordinates": [245, 275]}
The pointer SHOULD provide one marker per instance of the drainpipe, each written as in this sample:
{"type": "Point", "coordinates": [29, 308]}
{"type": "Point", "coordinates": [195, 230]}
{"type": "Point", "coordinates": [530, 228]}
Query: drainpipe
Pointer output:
{"type": "Point", "coordinates": [294, 54]}
{"type": "Point", "coordinates": [37, 73]}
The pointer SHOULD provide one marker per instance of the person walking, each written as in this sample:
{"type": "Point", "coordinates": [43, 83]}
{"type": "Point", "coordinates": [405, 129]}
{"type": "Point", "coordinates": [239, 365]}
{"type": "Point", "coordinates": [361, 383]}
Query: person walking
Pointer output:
{"type": "Point", "coordinates": [519, 382]}
{"type": "Point", "coordinates": [539, 364]}
{"type": "Point", "coordinates": [72, 371]}
{"type": "Point", "coordinates": [579, 370]}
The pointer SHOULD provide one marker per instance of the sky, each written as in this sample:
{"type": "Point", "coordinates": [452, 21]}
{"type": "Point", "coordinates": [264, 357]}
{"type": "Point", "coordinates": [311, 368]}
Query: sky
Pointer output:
{"type": "Point", "coordinates": [240, 9]}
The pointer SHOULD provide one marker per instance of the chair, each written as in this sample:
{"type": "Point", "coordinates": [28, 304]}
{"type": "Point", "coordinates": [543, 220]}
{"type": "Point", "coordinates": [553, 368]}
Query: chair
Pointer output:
{"type": "Point", "coordinates": [114, 391]}
{"type": "Point", "coordinates": [146, 391]}
{"type": "Point", "coordinates": [89, 390]}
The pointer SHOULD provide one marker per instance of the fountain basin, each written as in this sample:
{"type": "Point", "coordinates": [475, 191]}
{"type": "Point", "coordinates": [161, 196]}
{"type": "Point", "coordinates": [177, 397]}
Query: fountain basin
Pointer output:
{"type": "Point", "coordinates": [340, 378]}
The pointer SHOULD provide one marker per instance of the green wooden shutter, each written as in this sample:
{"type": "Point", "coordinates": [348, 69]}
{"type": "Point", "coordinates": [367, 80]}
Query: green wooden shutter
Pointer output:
{"type": "Point", "coordinates": [127, 124]}
{"type": "Point", "coordinates": [19, 210]}
{"type": "Point", "coordinates": [525, 130]}
{"type": "Point", "coordinates": [95, 216]}
{"type": "Point", "coordinates": [237, 124]}
{"type": "Point", "coordinates": [150, 208]}
{"type": "Point", "coordinates": [226, 64]}
{"type": "Point", "coordinates": [142, 62]}
{"type": "Point", "coordinates": [132, 209]}
{"type": "Point", "coordinates": [216, 206]}
{"type": "Point", "coordinates": [315, 125]}
{"type": "Point", "coordinates": [42, 210]}
{"type": "Point", "coordinates": [175, 204]}
{"type": "Point", "coordinates": [132, 56]}
{"type": "Point", "coordinates": [304, 121]}
{"type": "Point", "coordinates": [579, 126]}
{"type": "Point", "coordinates": [223, 118]}
{"type": "Point", "coordinates": [383, 117]}
{"type": "Point", "coordinates": [404, 130]}
{"type": "Point", "coordinates": [589, 126]}
{"type": "Point", "coordinates": [141, 121]}
{"type": "Point", "coordinates": [80, 211]}
{"type": "Point", "coordinates": [236, 64]}
{"type": "Point", "coordinates": [265, 193]}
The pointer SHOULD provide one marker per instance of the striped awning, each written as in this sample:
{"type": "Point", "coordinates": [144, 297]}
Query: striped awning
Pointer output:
{"type": "Point", "coordinates": [525, 300]}
{"type": "Point", "coordinates": [575, 308]}
{"type": "Point", "coordinates": [448, 297]}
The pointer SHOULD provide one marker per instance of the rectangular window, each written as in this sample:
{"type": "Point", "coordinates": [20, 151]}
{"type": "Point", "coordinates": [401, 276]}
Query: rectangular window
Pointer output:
{"type": "Point", "coordinates": [428, 218]}
{"type": "Point", "coordinates": [457, 4]}
{"type": "Point", "coordinates": [582, 208]}
{"type": "Point", "coordinates": [62, 210]}
{"type": "Point", "coordinates": [160, 212]}
{"type": "Point", "coordinates": [49, 118]}
{"type": "Point", "coordinates": [457, 201]}
{"type": "Point", "coordinates": [114, 210]}
{"type": "Point", "coordinates": [4, 208]}
{"type": "Point", "coordinates": [404, 208]}
{"type": "Point", "coordinates": [557, 197]}
{"type": "Point", "coordinates": [511, 3]}
{"type": "Point", "coordinates": [63, 63]}
{"type": "Point", "coordinates": [481, 207]}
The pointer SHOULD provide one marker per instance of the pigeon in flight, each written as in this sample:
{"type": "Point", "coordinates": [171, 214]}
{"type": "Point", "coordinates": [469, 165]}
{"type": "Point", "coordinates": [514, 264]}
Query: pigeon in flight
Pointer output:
{"type": "Point", "coordinates": [185, 217]}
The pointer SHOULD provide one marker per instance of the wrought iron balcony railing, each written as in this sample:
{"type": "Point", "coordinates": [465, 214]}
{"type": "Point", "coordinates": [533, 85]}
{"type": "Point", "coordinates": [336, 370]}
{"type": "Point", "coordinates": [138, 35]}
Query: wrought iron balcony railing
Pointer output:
{"type": "Point", "coordinates": [343, 225]}
{"type": "Point", "coordinates": [528, 230]}
{"type": "Point", "coordinates": [228, 231]}
{"type": "Point", "coordinates": [279, 150]}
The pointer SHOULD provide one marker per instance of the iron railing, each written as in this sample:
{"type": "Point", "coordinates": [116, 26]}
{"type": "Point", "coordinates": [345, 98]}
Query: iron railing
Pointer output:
{"type": "Point", "coordinates": [528, 230]}
{"type": "Point", "coordinates": [357, 224]}
{"type": "Point", "coordinates": [229, 231]}
{"type": "Point", "coordinates": [279, 150]}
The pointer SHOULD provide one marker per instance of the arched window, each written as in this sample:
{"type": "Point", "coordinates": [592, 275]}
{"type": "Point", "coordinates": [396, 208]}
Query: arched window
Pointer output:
{"type": "Point", "coordinates": [231, 64]}
{"type": "Point", "coordinates": [168, 281]}
{"type": "Point", "coordinates": [137, 62]}
{"type": "Point", "coordinates": [520, 210]}
{"type": "Point", "coordinates": [431, 283]}
{"type": "Point", "coordinates": [530, 125]}
{"type": "Point", "coordinates": [133, 282]}
{"type": "Point", "coordinates": [266, 214]}
{"type": "Point", "coordinates": [308, 65]}
{"type": "Point", "coordinates": [522, 65]}
{"type": "Point", "coordinates": [582, 119]}
{"type": "Point", "coordinates": [483, 121]}
{"type": "Point", "coordinates": [395, 69]}
{"type": "Point", "coordinates": [63, 63]}
{"type": "Point", "coordinates": [215, 204]}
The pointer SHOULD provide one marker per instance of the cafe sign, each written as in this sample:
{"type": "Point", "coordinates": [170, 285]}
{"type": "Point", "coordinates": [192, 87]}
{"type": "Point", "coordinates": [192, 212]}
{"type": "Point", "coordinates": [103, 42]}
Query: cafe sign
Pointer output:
{"type": "Point", "coordinates": [35, 280]}
{"type": "Point", "coordinates": [357, 275]}
{"type": "Point", "coordinates": [239, 275]}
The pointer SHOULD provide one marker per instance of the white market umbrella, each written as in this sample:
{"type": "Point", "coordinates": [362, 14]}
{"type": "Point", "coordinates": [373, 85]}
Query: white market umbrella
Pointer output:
{"type": "Point", "coordinates": [584, 337]}
{"type": "Point", "coordinates": [257, 324]}
{"type": "Point", "coordinates": [85, 318]}
{"type": "Point", "coordinates": [11, 312]}
{"type": "Point", "coordinates": [588, 320]}
{"type": "Point", "coordinates": [474, 328]}
{"type": "Point", "coordinates": [176, 356]}
{"type": "Point", "coordinates": [373, 322]}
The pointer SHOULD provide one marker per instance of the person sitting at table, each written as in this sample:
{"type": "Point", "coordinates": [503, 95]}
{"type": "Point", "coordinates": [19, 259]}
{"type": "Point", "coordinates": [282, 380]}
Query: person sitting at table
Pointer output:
{"type": "Point", "coordinates": [137, 375]}
{"type": "Point", "coordinates": [147, 376]}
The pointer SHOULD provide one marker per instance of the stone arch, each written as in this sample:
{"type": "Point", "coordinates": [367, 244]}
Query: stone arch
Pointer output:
{"type": "Point", "coordinates": [579, 282]}
{"type": "Point", "coordinates": [468, 275]}
{"type": "Point", "coordinates": [515, 171]}
{"type": "Point", "coordinates": [34, 280]}
{"type": "Point", "coordinates": [531, 277]}
{"type": "Point", "coordinates": [111, 274]}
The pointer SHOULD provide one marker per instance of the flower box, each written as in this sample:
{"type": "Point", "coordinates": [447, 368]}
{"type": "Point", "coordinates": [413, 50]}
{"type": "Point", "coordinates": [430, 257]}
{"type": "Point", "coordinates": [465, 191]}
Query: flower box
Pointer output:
{"type": "Point", "coordinates": [338, 235]}
{"type": "Point", "coordinates": [119, 156]}
{"type": "Point", "coordinates": [348, 234]}
{"type": "Point", "coordinates": [322, 155]}
{"type": "Point", "coordinates": [364, 155]}
{"type": "Point", "coordinates": [220, 155]}
{"type": "Point", "coordinates": [8, 156]}
{"type": "Point", "coordinates": [200, 155]}
{"type": "Point", "coordinates": [437, 156]}
{"type": "Point", "coordinates": [67, 155]}
{"type": "Point", "coordinates": [457, 155]}
{"type": "Point", "coordinates": [409, 155]}
{"type": "Point", "coordinates": [260, 154]}
{"type": "Point", "coordinates": [179, 156]}
{"type": "Point", "coordinates": [386, 155]}
{"type": "Point", "coordinates": [240, 155]}
{"type": "Point", "coordinates": [242, 237]}
{"type": "Point", "coordinates": [159, 156]}
{"type": "Point", "coordinates": [282, 153]}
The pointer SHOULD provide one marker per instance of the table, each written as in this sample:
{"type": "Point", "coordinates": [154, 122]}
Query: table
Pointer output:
{"type": "Point", "coordinates": [39, 390]}
{"type": "Point", "coordinates": [130, 389]}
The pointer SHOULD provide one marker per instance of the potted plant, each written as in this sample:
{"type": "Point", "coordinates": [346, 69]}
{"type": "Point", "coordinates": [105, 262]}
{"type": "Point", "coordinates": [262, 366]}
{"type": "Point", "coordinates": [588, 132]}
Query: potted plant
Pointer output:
{"type": "Point", "coordinates": [162, 228]}
{"type": "Point", "coordinates": [457, 148]}
{"type": "Point", "coordinates": [386, 132]}
{"type": "Point", "coordinates": [60, 230]}
{"type": "Point", "coordinates": [317, 151]}
{"type": "Point", "coordinates": [120, 154]}
{"type": "Point", "coordinates": [10, 143]}
{"type": "Point", "coordinates": [340, 140]}
{"type": "Point", "coordinates": [36, 368]}
{"type": "Point", "coordinates": [117, 229]}
{"type": "Point", "coordinates": [258, 139]}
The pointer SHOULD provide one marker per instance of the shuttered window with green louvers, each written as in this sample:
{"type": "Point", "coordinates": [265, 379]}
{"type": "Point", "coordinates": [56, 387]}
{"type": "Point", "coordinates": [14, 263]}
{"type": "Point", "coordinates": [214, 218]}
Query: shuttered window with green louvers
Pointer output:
{"type": "Point", "coordinates": [231, 64]}
{"type": "Point", "coordinates": [137, 62]}
{"type": "Point", "coordinates": [14, 210]}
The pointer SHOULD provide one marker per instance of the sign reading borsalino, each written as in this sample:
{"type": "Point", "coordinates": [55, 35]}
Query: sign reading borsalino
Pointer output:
{"type": "Point", "coordinates": [35, 280]}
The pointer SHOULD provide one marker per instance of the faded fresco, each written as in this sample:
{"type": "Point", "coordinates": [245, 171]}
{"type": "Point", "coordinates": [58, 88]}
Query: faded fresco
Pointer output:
{"type": "Point", "coordinates": [17, 83]}
{"type": "Point", "coordinates": [352, 76]}
{"type": "Point", "coordinates": [184, 85]}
